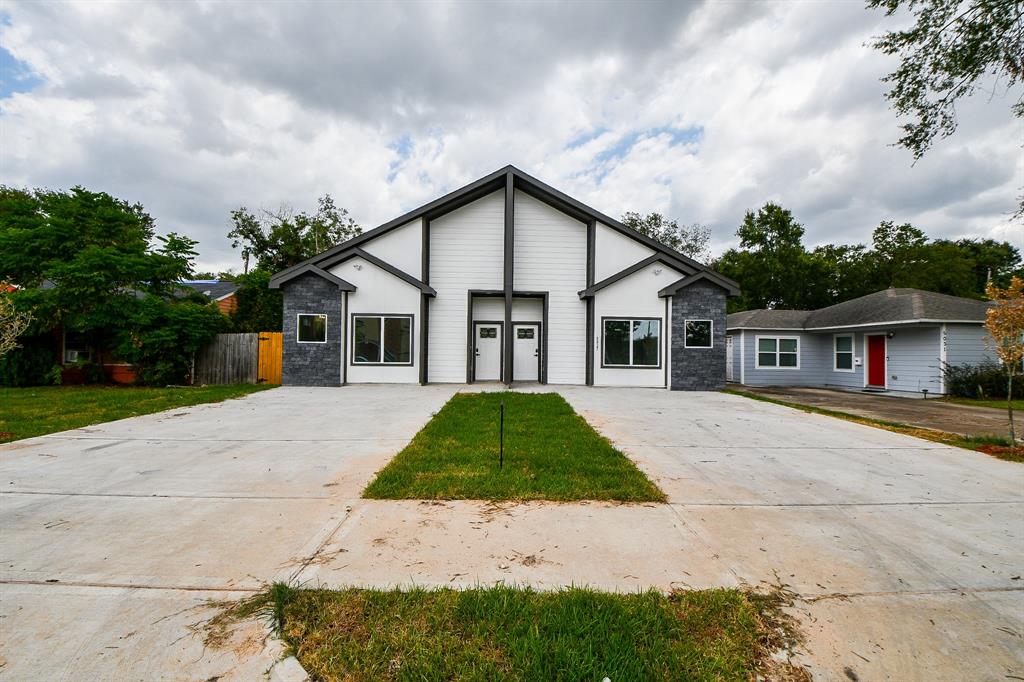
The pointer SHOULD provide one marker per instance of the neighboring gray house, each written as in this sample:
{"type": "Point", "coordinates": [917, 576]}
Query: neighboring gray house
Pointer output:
{"type": "Point", "coordinates": [892, 340]}
{"type": "Point", "coordinates": [506, 279]}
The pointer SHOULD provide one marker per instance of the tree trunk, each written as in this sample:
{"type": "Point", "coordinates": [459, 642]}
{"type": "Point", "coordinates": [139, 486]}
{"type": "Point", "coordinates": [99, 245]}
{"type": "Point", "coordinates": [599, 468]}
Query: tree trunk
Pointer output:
{"type": "Point", "coordinates": [1009, 407]}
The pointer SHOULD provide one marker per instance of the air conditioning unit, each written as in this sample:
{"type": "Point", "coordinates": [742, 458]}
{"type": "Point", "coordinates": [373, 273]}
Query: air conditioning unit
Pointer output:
{"type": "Point", "coordinates": [72, 356]}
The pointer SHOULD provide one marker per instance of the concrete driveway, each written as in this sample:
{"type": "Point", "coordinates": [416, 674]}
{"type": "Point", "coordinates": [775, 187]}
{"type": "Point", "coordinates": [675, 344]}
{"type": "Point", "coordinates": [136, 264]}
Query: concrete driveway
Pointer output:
{"type": "Point", "coordinates": [906, 555]}
{"type": "Point", "coordinates": [116, 537]}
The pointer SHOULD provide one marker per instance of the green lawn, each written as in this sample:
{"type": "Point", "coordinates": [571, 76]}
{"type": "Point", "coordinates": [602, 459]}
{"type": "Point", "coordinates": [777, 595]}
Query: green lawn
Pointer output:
{"type": "Point", "coordinates": [551, 453]}
{"type": "Point", "coordinates": [506, 633]}
{"type": "Point", "coordinates": [28, 412]}
{"type": "Point", "coordinates": [996, 404]}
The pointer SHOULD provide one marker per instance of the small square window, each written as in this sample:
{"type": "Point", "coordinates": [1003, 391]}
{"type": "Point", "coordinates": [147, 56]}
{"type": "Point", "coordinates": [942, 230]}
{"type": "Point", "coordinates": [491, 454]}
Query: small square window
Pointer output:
{"type": "Point", "coordinates": [698, 334]}
{"type": "Point", "coordinates": [312, 328]}
{"type": "Point", "coordinates": [524, 333]}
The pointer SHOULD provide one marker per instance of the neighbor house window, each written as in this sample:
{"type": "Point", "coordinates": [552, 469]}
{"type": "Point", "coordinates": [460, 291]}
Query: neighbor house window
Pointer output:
{"type": "Point", "coordinates": [312, 328]}
{"type": "Point", "coordinates": [843, 353]}
{"type": "Point", "coordinates": [381, 340]}
{"type": "Point", "coordinates": [698, 334]}
{"type": "Point", "coordinates": [632, 343]}
{"type": "Point", "coordinates": [782, 352]}
{"type": "Point", "coordinates": [76, 347]}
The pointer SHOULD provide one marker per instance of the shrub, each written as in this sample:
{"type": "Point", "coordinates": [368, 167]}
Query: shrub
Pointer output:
{"type": "Point", "coordinates": [29, 365]}
{"type": "Point", "coordinates": [165, 336]}
{"type": "Point", "coordinates": [984, 380]}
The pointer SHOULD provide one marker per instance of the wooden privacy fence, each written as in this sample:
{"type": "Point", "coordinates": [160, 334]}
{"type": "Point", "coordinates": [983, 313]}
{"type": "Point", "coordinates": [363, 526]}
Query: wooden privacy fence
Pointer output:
{"type": "Point", "coordinates": [248, 358]}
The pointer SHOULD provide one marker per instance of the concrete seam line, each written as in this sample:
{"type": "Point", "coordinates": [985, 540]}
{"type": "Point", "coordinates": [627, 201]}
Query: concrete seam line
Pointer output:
{"type": "Point", "coordinates": [327, 539]}
{"type": "Point", "coordinates": [130, 586]}
{"type": "Point", "coordinates": [162, 495]}
{"type": "Point", "coordinates": [783, 505]}
{"type": "Point", "coordinates": [910, 593]}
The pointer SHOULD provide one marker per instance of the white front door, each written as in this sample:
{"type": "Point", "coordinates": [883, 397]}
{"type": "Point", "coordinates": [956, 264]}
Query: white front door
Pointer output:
{"type": "Point", "coordinates": [486, 351]}
{"type": "Point", "coordinates": [526, 351]}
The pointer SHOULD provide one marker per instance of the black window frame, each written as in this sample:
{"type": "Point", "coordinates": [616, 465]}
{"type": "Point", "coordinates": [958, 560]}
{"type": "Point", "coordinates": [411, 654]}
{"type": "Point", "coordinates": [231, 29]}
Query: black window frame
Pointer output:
{"type": "Point", "coordinates": [382, 316]}
{"type": "Point", "coordinates": [631, 320]}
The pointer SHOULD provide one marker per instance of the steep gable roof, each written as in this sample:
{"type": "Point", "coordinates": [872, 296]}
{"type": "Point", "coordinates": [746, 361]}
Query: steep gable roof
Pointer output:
{"type": "Point", "coordinates": [492, 183]}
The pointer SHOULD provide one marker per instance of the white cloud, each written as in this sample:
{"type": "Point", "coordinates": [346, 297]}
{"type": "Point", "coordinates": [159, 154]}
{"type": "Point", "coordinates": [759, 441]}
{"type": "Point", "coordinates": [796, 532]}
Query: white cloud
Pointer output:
{"type": "Point", "coordinates": [698, 111]}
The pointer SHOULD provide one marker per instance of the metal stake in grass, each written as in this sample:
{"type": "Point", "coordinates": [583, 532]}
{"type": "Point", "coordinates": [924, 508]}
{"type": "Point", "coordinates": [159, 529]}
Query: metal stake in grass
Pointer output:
{"type": "Point", "coordinates": [501, 436]}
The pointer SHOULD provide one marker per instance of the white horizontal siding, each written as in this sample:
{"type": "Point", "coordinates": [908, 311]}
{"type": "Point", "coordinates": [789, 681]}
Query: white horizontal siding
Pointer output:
{"type": "Point", "coordinates": [614, 252]}
{"type": "Point", "coordinates": [466, 252]}
{"type": "Point", "coordinates": [551, 255]}
{"type": "Point", "coordinates": [634, 296]}
{"type": "Point", "coordinates": [401, 247]}
{"type": "Point", "coordinates": [378, 291]}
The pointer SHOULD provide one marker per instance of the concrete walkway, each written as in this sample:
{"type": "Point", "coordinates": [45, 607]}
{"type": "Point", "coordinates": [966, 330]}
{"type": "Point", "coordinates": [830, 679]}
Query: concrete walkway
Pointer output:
{"type": "Point", "coordinates": [968, 420]}
{"type": "Point", "coordinates": [906, 555]}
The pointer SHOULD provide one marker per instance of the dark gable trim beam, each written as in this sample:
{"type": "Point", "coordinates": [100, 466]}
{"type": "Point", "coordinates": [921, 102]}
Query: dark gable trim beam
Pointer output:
{"type": "Point", "coordinates": [491, 183]}
{"type": "Point", "coordinates": [424, 300]}
{"type": "Point", "coordinates": [277, 280]}
{"type": "Point", "coordinates": [589, 346]}
{"type": "Point", "coordinates": [509, 272]}
{"type": "Point", "coordinates": [387, 267]}
{"type": "Point", "coordinates": [730, 287]}
{"type": "Point", "coordinates": [636, 267]}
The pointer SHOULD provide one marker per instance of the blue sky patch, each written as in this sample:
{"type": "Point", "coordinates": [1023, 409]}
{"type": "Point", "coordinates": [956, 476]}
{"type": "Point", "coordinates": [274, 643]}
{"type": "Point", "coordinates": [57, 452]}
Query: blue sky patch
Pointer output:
{"type": "Point", "coordinates": [586, 137]}
{"type": "Point", "coordinates": [403, 147]}
{"type": "Point", "coordinates": [15, 75]}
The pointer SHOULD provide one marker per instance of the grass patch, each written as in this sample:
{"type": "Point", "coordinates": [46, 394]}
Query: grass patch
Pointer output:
{"type": "Point", "coordinates": [29, 412]}
{"type": "Point", "coordinates": [506, 633]}
{"type": "Point", "coordinates": [998, 404]}
{"type": "Point", "coordinates": [996, 446]}
{"type": "Point", "coordinates": [551, 453]}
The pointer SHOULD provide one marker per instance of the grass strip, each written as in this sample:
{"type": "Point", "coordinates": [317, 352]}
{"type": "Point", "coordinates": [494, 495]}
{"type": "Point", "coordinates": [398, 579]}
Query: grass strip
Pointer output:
{"type": "Point", "coordinates": [507, 633]}
{"type": "Point", "coordinates": [551, 453]}
{"type": "Point", "coordinates": [37, 411]}
{"type": "Point", "coordinates": [995, 446]}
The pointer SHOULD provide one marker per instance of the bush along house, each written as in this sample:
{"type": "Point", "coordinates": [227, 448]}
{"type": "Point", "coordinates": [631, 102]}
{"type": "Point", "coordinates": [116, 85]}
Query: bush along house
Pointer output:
{"type": "Point", "coordinates": [504, 280]}
{"type": "Point", "coordinates": [897, 340]}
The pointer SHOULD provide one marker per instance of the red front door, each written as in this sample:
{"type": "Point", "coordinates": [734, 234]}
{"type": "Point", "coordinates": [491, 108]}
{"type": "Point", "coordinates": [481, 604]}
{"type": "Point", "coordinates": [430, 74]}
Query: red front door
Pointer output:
{"type": "Point", "coordinates": [876, 361]}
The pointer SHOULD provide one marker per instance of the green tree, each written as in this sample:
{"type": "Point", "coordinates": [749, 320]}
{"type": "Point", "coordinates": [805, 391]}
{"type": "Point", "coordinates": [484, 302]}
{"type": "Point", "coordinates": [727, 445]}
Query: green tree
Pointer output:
{"type": "Point", "coordinates": [951, 46]}
{"type": "Point", "coordinates": [693, 241]}
{"type": "Point", "coordinates": [88, 262]}
{"type": "Point", "coordinates": [772, 267]}
{"type": "Point", "coordinates": [277, 240]}
{"type": "Point", "coordinates": [259, 307]}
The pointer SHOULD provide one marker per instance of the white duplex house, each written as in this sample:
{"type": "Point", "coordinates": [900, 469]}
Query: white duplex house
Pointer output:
{"type": "Point", "coordinates": [504, 280]}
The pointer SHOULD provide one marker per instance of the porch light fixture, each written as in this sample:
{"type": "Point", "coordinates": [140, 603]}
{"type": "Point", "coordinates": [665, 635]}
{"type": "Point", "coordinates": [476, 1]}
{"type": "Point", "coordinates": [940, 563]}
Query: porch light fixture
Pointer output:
{"type": "Point", "coordinates": [890, 335]}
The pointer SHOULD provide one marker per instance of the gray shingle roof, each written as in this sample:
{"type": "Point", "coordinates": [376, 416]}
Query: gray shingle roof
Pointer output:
{"type": "Point", "coordinates": [882, 307]}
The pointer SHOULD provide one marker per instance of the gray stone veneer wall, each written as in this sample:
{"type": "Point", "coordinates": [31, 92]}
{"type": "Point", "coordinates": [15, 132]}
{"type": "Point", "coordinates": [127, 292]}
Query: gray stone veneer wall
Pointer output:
{"type": "Point", "coordinates": [698, 369]}
{"type": "Point", "coordinates": [311, 364]}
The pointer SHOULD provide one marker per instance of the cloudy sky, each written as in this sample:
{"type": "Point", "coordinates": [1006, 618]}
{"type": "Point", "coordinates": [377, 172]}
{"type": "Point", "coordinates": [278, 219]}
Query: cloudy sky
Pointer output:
{"type": "Point", "coordinates": [699, 111]}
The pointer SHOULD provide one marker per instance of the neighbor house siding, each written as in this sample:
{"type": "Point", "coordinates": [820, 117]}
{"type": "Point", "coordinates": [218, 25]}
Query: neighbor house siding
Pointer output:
{"type": "Point", "coordinates": [913, 360]}
{"type": "Point", "coordinates": [810, 373]}
{"type": "Point", "coordinates": [854, 379]}
{"type": "Point", "coordinates": [401, 248]}
{"type": "Point", "coordinates": [377, 292]}
{"type": "Point", "coordinates": [632, 297]}
{"type": "Point", "coordinates": [965, 344]}
{"type": "Point", "coordinates": [551, 255]}
{"type": "Point", "coordinates": [466, 252]}
{"type": "Point", "coordinates": [614, 252]}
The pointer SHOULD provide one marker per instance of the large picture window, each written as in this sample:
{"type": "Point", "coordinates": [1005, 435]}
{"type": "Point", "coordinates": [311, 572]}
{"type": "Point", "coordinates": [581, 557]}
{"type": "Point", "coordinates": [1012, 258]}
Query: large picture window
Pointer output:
{"type": "Point", "coordinates": [381, 340]}
{"type": "Point", "coordinates": [843, 353]}
{"type": "Point", "coordinates": [698, 334]}
{"type": "Point", "coordinates": [778, 352]}
{"type": "Point", "coordinates": [312, 328]}
{"type": "Point", "coordinates": [632, 343]}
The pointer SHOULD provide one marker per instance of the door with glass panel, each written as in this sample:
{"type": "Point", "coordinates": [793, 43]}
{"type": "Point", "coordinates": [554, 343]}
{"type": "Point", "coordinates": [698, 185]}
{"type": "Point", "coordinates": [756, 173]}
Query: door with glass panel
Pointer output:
{"type": "Point", "coordinates": [487, 351]}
